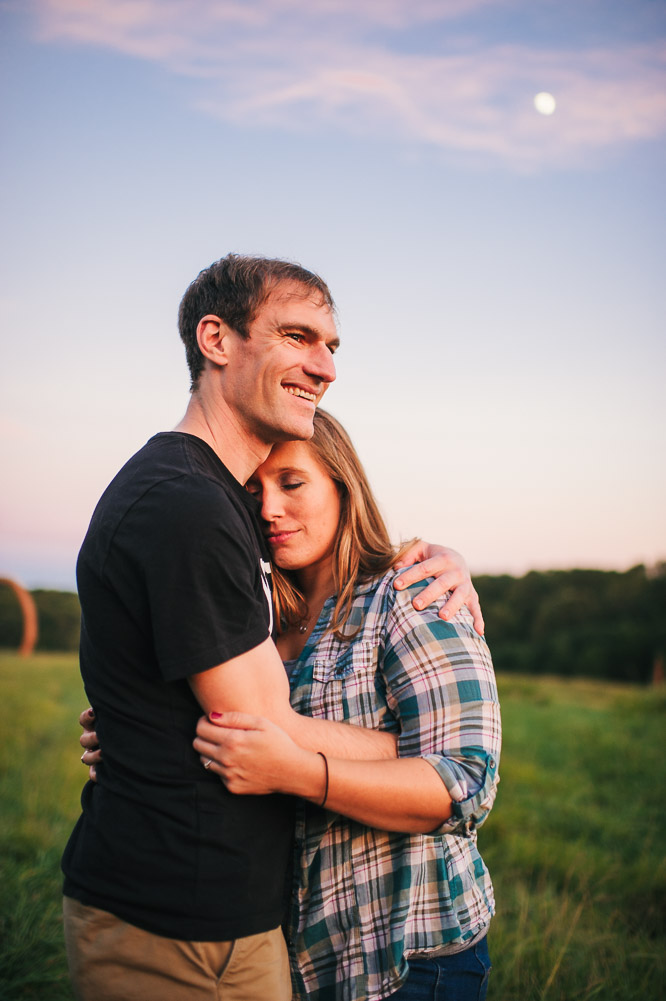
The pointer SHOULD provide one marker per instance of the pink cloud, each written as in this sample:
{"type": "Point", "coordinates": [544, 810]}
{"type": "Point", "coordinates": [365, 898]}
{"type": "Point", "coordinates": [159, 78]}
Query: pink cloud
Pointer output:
{"type": "Point", "coordinates": [272, 63]}
{"type": "Point", "coordinates": [477, 103]}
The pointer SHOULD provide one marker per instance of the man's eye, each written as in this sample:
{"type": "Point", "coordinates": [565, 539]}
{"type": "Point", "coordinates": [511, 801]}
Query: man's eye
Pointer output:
{"type": "Point", "coordinates": [296, 337]}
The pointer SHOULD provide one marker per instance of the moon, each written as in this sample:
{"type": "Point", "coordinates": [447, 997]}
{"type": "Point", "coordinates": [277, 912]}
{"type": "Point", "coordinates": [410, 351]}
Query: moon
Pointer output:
{"type": "Point", "coordinates": [545, 103]}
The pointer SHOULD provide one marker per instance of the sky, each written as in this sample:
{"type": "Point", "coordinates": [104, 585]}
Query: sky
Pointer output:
{"type": "Point", "coordinates": [498, 272]}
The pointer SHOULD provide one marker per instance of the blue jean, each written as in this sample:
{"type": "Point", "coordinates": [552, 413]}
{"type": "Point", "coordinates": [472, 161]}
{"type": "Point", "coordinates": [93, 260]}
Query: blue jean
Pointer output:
{"type": "Point", "coordinates": [461, 977]}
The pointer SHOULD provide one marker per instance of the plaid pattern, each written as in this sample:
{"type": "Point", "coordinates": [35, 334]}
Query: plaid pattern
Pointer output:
{"type": "Point", "coordinates": [365, 899]}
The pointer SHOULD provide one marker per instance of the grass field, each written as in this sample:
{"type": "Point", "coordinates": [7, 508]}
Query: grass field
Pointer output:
{"type": "Point", "coordinates": [575, 843]}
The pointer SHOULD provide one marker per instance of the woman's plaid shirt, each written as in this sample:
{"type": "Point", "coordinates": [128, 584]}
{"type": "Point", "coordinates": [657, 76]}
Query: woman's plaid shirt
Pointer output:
{"type": "Point", "coordinates": [365, 899]}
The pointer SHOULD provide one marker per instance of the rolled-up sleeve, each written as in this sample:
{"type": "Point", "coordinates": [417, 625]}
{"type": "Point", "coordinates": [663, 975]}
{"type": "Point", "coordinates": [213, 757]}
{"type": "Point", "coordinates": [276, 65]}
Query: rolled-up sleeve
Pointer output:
{"type": "Point", "coordinates": [440, 684]}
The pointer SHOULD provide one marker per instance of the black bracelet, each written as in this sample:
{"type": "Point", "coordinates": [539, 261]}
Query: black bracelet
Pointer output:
{"type": "Point", "coordinates": [323, 802]}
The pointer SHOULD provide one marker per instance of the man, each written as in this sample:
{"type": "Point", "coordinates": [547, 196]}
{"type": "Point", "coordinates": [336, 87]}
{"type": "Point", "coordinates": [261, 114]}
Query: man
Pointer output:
{"type": "Point", "coordinates": [173, 887]}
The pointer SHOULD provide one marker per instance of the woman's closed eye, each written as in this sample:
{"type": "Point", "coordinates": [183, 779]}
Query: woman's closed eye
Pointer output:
{"type": "Point", "coordinates": [256, 491]}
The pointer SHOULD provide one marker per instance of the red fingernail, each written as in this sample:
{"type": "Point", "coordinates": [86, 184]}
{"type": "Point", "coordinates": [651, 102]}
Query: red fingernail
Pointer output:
{"type": "Point", "coordinates": [215, 715]}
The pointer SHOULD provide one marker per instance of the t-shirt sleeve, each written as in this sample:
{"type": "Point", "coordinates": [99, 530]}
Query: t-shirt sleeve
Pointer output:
{"type": "Point", "coordinates": [202, 576]}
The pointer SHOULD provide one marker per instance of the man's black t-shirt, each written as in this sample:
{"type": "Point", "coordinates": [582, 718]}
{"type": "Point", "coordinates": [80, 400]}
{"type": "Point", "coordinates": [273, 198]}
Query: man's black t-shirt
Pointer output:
{"type": "Point", "coordinates": [172, 581]}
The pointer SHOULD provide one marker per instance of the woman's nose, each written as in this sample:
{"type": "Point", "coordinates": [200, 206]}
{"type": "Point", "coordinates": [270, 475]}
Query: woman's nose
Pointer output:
{"type": "Point", "coordinates": [271, 507]}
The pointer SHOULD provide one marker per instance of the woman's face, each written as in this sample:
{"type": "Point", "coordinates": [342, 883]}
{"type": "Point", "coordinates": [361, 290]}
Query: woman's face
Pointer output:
{"type": "Point", "coordinates": [300, 505]}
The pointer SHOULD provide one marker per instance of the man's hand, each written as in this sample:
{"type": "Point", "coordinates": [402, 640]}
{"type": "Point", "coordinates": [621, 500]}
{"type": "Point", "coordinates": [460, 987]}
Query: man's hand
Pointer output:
{"type": "Point", "coordinates": [254, 757]}
{"type": "Point", "coordinates": [92, 754]}
{"type": "Point", "coordinates": [451, 574]}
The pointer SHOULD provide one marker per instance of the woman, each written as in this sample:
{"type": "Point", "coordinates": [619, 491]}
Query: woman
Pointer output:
{"type": "Point", "coordinates": [390, 895]}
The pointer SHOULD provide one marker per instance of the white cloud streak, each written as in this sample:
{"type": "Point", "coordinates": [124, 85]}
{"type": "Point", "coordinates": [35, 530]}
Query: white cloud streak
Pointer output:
{"type": "Point", "coordinates": [336, 64]}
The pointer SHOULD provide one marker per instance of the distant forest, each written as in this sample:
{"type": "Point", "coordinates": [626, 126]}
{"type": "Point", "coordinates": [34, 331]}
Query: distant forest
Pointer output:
{"type": "Point", "coordinates": [590, 623]}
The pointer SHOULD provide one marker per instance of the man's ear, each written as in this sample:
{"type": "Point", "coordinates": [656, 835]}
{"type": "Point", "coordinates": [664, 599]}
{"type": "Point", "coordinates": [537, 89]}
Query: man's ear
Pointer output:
{"type": "Point", "coordinates": [213, 338]}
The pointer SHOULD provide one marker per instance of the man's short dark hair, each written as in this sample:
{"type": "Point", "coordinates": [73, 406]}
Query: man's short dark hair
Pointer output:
{"type": "Point", "coordinates": [234, 288]}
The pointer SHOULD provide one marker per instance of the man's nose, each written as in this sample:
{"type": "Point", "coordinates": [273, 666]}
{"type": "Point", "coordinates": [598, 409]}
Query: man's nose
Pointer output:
{"type": "Point", "coordinates": [319, 363]}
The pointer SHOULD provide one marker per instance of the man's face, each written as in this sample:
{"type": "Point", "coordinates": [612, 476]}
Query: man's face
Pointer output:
{"type": "Point", "coordinates": [274, 379]}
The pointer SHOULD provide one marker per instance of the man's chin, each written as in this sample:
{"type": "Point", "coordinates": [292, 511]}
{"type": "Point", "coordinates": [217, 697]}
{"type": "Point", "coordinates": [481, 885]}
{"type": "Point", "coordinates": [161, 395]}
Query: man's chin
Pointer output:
{"type": "Point", "coordinates": [287, 424]}
{"type": "Point", "coordinates": [298, 427]}
{"type": "Point", "coordinates": [297, 431]}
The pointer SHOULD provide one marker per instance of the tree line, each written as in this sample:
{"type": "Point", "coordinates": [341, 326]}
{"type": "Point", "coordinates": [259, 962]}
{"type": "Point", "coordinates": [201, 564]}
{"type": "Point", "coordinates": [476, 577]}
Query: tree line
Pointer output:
{"type": "Point", "coordinates": [589, 623]}
{"type": "Point", "coordinates": [59, 616]}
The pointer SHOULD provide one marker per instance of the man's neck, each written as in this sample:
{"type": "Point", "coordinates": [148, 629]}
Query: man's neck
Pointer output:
{"type": "Point", "coordinates": [219, 427]}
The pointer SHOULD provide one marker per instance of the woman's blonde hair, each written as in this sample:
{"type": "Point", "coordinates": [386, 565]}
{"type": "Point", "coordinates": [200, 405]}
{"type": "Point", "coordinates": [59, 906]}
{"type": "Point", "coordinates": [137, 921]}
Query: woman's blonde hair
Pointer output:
{"type": "Point", "coordinates": [362, 548]}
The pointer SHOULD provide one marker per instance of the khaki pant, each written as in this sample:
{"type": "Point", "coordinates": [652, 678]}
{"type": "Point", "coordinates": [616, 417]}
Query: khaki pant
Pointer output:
{"type": "Point", "coordinates": [111, 960]}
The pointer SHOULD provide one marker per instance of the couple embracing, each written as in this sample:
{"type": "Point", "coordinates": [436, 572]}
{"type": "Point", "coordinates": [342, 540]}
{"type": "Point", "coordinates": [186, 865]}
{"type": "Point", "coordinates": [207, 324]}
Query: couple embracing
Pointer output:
{"type": "Point", "coordinates": [317, 839]}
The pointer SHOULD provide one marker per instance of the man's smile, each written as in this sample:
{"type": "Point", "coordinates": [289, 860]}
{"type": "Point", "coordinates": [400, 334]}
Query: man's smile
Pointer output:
{"type": "Point", "coordinates": [305, 394]}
